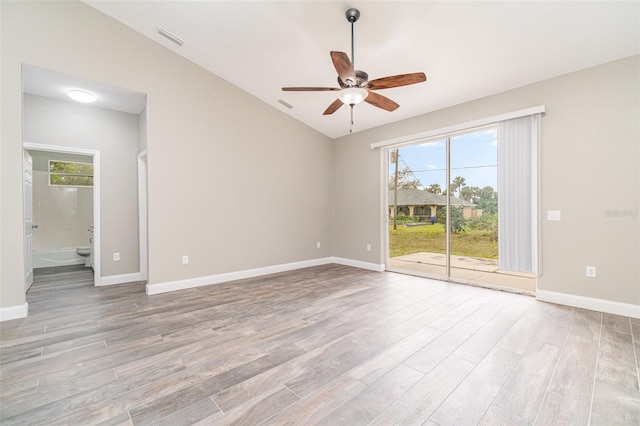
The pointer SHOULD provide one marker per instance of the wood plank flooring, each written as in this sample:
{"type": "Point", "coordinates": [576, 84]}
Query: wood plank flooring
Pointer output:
{"type": "Point", "coordinates": [329, 345]}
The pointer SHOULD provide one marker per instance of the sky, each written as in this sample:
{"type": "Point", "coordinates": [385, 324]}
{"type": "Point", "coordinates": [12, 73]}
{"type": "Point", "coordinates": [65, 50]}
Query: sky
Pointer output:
{"type": "Point", "coordinates": [474, 156]}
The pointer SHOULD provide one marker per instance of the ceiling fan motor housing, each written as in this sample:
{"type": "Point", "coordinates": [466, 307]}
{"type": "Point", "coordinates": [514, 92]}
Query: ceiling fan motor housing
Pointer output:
{"type": "Point", "coordinates": [361, 78]}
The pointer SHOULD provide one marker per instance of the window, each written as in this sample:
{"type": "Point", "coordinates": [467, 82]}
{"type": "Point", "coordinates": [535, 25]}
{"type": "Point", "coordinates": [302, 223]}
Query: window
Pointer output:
{"type": "Point", "coordinates": [67, 173]}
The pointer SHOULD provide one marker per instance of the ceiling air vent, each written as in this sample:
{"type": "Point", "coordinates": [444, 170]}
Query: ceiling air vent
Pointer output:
{"type": "Point", "coordinates": [285, 103]}
{"type": "Point", "coordinates": [166, 34]}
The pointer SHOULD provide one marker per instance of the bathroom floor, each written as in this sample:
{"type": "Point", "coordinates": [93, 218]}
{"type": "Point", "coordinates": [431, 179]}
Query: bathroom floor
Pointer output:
{"type": "Point", "coordinates": [39, 272]}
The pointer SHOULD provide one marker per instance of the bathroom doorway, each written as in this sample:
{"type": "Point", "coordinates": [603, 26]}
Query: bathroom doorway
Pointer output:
{"type": "Point", "coordinates": [110, 129]}
{"type": "Point", "coordinates": [65, 217]}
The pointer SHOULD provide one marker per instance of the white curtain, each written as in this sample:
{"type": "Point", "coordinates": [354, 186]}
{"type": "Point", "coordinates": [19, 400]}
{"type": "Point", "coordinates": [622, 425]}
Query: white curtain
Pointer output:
{"type": "Point", "coordinates": [517, 194]}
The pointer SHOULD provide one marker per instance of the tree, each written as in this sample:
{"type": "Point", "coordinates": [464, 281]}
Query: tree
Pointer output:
{"type": "Point", "coordinates": [488, 200]}
{"type": "Point", "coordinates": [457, 184]}
{"type": "Point", "coordinates": [470, 194]}
{"type": "Point", "coordinates": [434, 188]}
{"type": "Point", "coordinates": [406, 179]}
{"type": "Point", "coordinates": [458, 222]}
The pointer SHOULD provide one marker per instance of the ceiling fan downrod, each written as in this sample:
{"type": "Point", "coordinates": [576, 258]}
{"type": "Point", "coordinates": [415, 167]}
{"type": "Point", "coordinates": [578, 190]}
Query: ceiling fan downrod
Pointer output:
{"type": "Point", "coordinates": [352, 16]}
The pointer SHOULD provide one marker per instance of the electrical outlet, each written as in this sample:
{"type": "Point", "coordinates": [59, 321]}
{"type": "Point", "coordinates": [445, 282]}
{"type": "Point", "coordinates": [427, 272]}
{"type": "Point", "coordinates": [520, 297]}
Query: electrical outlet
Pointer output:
{"type": "Point", "coordinates": [185, 260]}
{"type": "Point", "coordinates": [318, 244]}
{"type": "Point", "coordinates": [554, 215]}
{"type": "Point", "coordinates": [591, 271]}
{"type": "Point", "coordinates": [368, 247]}
{"type": "Point", "coordinates": [116, 257]}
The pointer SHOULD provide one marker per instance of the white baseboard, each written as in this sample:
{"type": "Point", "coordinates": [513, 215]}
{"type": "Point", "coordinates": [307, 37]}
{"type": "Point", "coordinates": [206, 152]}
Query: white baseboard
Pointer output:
{"type": "Point", "coordinates": [119, 279]}
{"type": "Point", "coordinates": [232, 276]}
{"type": "Point", "coordinates": [359, 264]}
{"type": "Point", "coordinates": [250, 273]}
{"type": "Point", "coordinates": [14, 312]}
{"type": "Point", "coordinates": [593, 304]}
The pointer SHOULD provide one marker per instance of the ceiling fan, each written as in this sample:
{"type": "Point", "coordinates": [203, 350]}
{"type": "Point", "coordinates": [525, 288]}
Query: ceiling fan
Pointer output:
{"type": "Point", "coordinates": [355, 85]}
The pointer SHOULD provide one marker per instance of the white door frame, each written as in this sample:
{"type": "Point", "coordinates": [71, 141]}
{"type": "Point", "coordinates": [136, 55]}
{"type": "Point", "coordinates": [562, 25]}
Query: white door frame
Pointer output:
{"type": "Point", "coordinates": [142, 216]}
{"type": "Point", "coordinates": [96, 193]}
{"type": "Point", "coordinates": [27, 202]}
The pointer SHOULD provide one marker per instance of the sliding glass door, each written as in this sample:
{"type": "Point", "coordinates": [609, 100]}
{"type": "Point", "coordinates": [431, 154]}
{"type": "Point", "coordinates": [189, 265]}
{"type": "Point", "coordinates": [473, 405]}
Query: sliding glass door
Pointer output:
{"type": "Point", "coordinates": [443, 210]}
{"type": "Point", "coordinates": [473, 210]}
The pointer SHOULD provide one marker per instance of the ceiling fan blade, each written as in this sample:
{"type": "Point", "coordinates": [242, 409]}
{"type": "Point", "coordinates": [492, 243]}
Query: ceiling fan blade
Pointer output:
{"type": "Point", "coordinates": [309, 89]}
{"type": "Point", "coordinates": [333, 107]}
{"type": "Point", "coordinates": [344, 68]}
{"type": "Point", "coordinates": [396, 81]}
{"type": "Point", "coordinates": [381, 101]}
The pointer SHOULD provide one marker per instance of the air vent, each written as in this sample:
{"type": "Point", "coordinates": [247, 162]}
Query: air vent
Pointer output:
{"type": "Point", "coordinates": [166, 34]}
{"type": "Point", "coordinates": [285, 103]}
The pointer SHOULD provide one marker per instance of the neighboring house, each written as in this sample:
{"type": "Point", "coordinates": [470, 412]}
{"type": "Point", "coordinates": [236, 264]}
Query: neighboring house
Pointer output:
{"type": "Point", "coordinates": [424, 205]}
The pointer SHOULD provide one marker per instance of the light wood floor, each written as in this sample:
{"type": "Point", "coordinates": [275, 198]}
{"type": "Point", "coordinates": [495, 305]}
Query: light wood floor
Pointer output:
{"type": "Point", "coordinates": [329, 345]}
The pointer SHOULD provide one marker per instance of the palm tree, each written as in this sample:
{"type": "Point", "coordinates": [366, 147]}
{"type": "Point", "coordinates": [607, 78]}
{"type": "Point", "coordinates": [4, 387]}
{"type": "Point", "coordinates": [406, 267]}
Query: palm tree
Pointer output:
{"type": "Point", "coordinates": [434, 188]}
{"type": "Point", "coordinates": [457, 184]}
{"type": "Point", "coordinates": [466, 193]}
{"type": "Point", "coordinates": [471, 194]}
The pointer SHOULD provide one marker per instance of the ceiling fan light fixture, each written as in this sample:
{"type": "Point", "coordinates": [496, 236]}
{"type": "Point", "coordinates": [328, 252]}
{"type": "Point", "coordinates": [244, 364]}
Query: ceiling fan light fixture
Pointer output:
{"type": "Point", "coordinates": [353, 95]}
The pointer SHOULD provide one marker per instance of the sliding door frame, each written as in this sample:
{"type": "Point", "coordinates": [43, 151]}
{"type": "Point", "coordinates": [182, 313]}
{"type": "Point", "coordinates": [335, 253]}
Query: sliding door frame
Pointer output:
{"type": "Point", "coordinates": [386, 146]}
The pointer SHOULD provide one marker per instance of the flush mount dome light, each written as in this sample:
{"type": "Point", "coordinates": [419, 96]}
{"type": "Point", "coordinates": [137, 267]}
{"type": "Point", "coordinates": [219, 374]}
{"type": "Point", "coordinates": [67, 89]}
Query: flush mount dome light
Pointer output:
{"type": "Point", "coordinates": [352, 95]}
{"type": "Point", "coordinates": [82, 96]}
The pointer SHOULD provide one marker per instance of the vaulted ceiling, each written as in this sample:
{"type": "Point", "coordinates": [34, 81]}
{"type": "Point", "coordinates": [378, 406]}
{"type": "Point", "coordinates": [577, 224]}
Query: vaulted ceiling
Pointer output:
{"type": "Point", "coordinates": [468, 50]}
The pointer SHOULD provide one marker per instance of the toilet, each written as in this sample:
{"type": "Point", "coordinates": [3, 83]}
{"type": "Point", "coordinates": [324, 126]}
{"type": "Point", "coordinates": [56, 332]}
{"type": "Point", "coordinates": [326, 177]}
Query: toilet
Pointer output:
{"type": "Point", "coordinates": [84, 252]}
{"type": "Point", "coordinates": [87, 252]}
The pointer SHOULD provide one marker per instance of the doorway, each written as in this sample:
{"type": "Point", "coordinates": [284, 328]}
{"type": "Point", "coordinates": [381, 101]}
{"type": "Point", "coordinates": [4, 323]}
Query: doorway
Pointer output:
{"type": "Point", "coordinates": [112, 131]}
{"type": "Point", "coordinates": [443, 211]}
{"type": "Point", "coordinates": [70, 204]}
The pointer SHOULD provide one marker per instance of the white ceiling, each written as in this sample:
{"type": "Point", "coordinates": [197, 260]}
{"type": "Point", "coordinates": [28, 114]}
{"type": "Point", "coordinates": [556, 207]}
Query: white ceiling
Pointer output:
{"type": "Point", "coordinates": [468, 50]}
{"type": "Point", "coordinates": [52, 84]}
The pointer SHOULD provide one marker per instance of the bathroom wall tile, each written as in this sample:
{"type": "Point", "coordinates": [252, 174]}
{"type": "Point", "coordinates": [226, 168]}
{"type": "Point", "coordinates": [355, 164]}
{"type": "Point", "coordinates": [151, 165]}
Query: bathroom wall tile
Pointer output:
{"type": "Point", "coordinates": [63, 214]}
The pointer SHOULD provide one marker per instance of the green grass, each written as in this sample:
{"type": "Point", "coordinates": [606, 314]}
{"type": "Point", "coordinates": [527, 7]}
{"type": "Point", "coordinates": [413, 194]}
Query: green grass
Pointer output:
{"type": "Point", "coordinates": [431, 238]}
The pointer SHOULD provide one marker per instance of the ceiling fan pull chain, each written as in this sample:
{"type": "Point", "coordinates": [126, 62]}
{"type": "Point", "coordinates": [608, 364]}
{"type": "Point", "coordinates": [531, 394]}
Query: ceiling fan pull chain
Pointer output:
{"type": "Point", "coordinates": [351, 126]}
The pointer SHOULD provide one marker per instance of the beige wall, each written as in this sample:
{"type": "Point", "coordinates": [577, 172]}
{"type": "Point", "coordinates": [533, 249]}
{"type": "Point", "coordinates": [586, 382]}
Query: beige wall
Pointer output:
{"type": "Point", "coordinates": [115, 134]}
{"type": "Point", "coordinates": [590, 165]}
{"type": "Point", "coordinates": [232, 182]}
